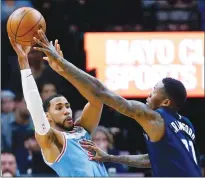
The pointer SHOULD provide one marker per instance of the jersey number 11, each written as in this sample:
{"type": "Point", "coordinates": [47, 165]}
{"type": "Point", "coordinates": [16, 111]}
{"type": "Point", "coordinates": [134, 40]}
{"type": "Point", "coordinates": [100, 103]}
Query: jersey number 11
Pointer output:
{"type": "Point", "coordinates": [190, 147]}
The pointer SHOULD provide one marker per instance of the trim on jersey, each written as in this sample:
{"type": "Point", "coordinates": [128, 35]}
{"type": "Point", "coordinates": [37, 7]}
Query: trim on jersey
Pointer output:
{"type": "Point", "coordinates": [63, 151]}
{"type": "Point", "coordinates": [61, 154]}
{"type": "Point", "coordinates": [48, 163]}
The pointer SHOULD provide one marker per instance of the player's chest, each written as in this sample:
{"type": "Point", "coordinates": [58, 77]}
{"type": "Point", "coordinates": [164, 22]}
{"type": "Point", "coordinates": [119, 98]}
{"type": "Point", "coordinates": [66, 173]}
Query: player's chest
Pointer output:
{"type": "Point", "coordinates": [77, 133]}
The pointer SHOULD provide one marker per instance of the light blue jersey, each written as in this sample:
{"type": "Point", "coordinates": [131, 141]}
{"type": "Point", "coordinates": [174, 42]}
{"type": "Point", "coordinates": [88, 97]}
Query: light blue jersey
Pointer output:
{"type": "Point", "coordinates": [73, 160]}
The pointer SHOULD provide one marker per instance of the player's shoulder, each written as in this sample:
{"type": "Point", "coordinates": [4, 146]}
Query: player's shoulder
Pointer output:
{"type": "Point", "coordinates": [167, 114]}
{"type": "Point", "coordinates": [170, 115]}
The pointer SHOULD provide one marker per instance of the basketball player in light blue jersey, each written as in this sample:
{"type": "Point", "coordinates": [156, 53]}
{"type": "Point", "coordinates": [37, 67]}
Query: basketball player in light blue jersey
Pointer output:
{"type": "Point", "coordinates": [54, 127]}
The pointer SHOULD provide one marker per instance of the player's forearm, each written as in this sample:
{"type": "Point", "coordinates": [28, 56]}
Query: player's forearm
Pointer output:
{"type": "Point", "coordinates": [94, 90]}
{"type": "Point", "coordinates": [23, 63]}
{"type": "Point", "coordinates": [33, 101]}
{"type": "Point", "coordinates": [87, 85]}
{"type": "Point", "coordinates": [139, 161]}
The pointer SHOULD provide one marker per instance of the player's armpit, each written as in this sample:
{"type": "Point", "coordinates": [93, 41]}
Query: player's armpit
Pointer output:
{"type": "Point", "coordinates": [51, 144]}
{"type": "Point", "coordinates": [151, 121]}
{"type": "Point", "coordinates": [52, 137]}
{"type": "Point", "coordinates": [90, 117]}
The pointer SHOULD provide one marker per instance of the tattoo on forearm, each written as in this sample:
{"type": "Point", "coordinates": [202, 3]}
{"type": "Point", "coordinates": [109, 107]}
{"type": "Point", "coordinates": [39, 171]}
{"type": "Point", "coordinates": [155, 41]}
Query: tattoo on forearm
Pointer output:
{"type": "Point", "coordinates": [83, 81]}
{"type": "Point", "coordinates": [79, 78]}
{"type": "Point", "coordinates": [139, 161]}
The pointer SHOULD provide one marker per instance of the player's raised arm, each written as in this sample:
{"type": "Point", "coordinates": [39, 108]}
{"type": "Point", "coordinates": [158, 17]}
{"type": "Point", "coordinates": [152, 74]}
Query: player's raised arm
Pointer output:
{"type": "Point", "coordinates": [94, 90]}
{"type": "Point", "coordinates": [45, 135]}
{"type": "Point", "coordinates": [92, 111]}
{"type": "Point", "coordinates": [139, 161]}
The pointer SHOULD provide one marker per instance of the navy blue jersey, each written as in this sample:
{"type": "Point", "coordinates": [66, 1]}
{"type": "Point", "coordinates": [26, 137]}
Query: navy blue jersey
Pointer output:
{"type": "Point", "coordinates": [175, 154]}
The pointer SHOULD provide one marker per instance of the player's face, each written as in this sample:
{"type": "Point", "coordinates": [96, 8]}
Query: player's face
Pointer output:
{"type": "Point", "coordinates": [157, 97]}
{"type": "Point", "coordinates": [61, 113]}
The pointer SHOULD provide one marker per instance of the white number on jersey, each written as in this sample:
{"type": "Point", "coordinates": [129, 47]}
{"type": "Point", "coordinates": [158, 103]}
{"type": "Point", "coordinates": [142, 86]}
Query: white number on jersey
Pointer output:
{"type": "Point", "coordinates": [190, 147]}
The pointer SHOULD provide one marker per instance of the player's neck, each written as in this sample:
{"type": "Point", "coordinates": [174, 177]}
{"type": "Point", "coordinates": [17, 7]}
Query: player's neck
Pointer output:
{"type": "Point", "coordinates": [59, 128]}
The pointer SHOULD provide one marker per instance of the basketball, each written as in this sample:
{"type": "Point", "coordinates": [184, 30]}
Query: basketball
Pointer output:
{"type": "Point", "coordinates": [23, 24]}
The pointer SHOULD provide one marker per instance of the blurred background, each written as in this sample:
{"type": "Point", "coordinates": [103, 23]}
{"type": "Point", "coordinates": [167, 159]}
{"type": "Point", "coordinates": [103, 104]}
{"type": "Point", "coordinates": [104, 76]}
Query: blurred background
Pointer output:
{"type": "Point", "coordinates": [68, 20]}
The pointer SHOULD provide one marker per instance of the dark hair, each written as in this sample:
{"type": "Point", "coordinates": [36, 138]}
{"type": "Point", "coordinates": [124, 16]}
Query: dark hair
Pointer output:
{"type": "Point", "coordinates": [176, 91]}
{"type": "Point", "coordinates": [46, 103]}
{"type": "Point", "coordinates": [6, 151]}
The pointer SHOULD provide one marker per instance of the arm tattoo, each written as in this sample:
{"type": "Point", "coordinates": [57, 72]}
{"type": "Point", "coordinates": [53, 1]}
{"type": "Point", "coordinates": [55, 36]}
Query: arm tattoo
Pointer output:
{"type": "Point", "coordinates": [93, 90]}
{"type": "Point", "coordinates": [90, 85]}
{"type": "Point", "coordinates": [139, 161]}
{"type": "Point", "coordinates": [87, 85]}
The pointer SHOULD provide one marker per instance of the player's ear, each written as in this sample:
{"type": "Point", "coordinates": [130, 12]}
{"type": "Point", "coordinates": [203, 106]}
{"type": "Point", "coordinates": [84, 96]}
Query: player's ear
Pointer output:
{"type": "Point", "coordinates": [48, 117]}
{"type": "Point", "coordinates": [166, 102]}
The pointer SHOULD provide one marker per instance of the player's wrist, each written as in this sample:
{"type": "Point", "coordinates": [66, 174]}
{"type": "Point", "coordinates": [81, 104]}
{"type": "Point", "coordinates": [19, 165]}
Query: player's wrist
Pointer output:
{"type": "Point", "coordinates": [23, 62]}
{"type": "Point", "coordinates": [106, 158]}
{"type": "Point", "coordinates": [23, 58]}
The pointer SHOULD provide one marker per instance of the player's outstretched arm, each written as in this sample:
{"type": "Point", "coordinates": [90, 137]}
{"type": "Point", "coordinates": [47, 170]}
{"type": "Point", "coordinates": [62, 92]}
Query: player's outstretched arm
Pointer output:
{"type": "Point", "coordinates": [95, 153]}
{"type": "Point", "coordinates": [93, 90]}
{"type": "Point", "coordinates": [45, 135]}
{"type": "Point", "coordinates": [92, 111]}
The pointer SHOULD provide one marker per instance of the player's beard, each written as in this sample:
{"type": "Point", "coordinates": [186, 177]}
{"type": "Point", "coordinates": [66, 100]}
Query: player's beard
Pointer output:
{"type": "Point", "coordinates": [62, 126]}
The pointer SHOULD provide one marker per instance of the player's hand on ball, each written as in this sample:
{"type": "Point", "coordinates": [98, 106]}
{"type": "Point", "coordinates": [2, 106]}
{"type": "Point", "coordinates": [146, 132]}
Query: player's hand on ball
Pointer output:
{"type": "Point", "coordinates": [46, 46]}
{"type": "Point", "coordinates": [95, 153]}
{"type": "Point", "coordinates": [21, 51]}
{"type": "Point", "coordinates": [53, 65]}
{"type": "Point", "coordinates": [51, 52]}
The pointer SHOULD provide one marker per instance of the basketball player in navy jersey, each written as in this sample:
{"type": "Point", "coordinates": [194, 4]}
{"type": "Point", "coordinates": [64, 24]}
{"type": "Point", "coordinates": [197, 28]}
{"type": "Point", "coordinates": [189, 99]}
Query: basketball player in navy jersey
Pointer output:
{"type": "Point", "coordinates": [170, 137]}
{"type": "Point", "coordinates": [54, 127]}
